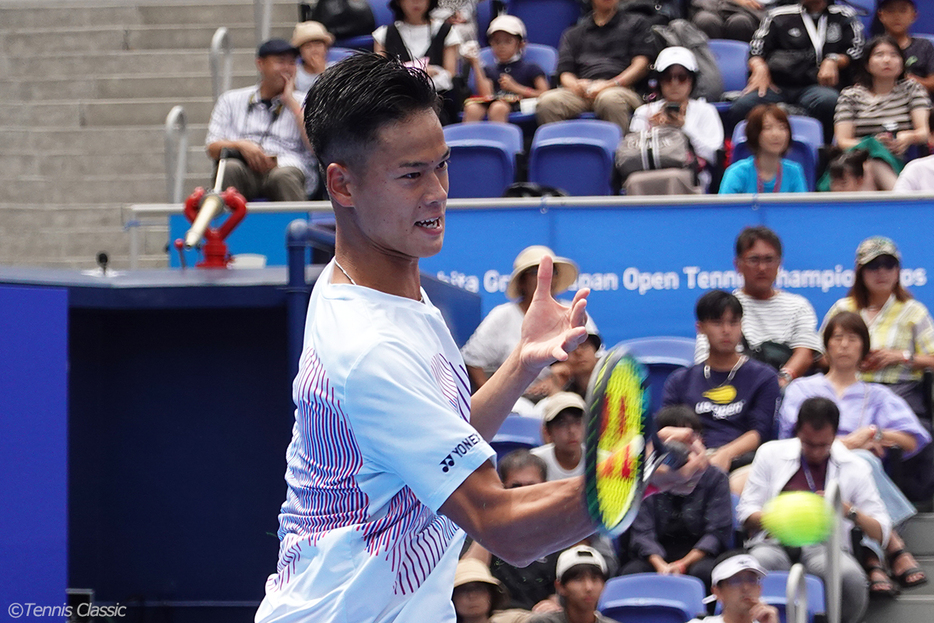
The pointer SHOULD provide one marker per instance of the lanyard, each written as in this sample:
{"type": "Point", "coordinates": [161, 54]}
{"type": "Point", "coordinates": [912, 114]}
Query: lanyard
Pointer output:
{"type": "Point", "coordinates": [760, 187]}
{"type": "Point", "coordinates": [807, 475]}
{"type": "Point", "coordinates": [818, 34]}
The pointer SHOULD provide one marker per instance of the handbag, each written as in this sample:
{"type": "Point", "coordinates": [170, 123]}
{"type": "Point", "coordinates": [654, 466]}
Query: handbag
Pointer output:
{"type": "Point", "coordinates": [661, 147]}
{"type": "Point", "coordinates": [772, 353]}
{"type": "Point", "coordinates": [342, 18]}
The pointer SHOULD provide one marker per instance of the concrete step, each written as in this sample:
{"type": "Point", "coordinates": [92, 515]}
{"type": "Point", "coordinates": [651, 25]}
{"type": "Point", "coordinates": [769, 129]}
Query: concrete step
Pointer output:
{"type": "Point", "coordinates": [139, 187]}
{"type": "Point", "coordinates": [103, 113]}
{"type": "Point", "coordinates": [92, 141]}
{"type": "Point", "coordinates": [22, 43]}
{"type": "Point", "coordinates": [914, 605]}
{"type": "Point", "coordinates": [80, 163]}
{"type": "Point", "coordinates": [918, 534]}
{"type": "Point", "coordinates": [79, 65]}
{"type": "Point", "coordinates": [137, 86]}
{"type": "Point", "coordinates": [40, 17]}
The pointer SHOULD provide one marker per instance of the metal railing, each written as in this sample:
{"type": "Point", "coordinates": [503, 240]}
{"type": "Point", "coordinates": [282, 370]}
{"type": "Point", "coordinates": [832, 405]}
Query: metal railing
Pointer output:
{"type": "Point", "coordinates": [176, 153]}
{"type": "Point", "coordinates": [833, 580]}
{"type": "Point", "coordinates": [262, 11]}
{"type": "Point", "coordinates": [221, 62]}
{"type": "Point", "coordinates": [796, 595]}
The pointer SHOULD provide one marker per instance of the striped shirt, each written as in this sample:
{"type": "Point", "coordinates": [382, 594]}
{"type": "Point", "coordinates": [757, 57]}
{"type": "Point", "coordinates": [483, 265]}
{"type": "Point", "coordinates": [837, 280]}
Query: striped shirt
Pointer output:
{"type": "Point", "coordinates": [870, 113]}
{"type": "Point", "coordinates": [899, 325]}
{"type": "Point", "coordinates": [241, 114]}
{"type": "Point", "coordinates": [785, 318]}
{"type": "Point", "coordinates": [381, 440]}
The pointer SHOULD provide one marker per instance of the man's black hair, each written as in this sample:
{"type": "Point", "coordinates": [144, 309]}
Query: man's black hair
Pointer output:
{"type": "Point", "coordinates": [715, 303]}
{"type": "Point", "coordinates": [575, 412]}
{"type": "Point", "coordinates": [353, 99]}
{"type": "Point", "coordinates": [750, 235]}
{"type": "Point", "coordinates": [681, 416]}
{"type": "Point", "coordinates": [818, 412]}
{"type": "Point", "coordinates": [520, 459]}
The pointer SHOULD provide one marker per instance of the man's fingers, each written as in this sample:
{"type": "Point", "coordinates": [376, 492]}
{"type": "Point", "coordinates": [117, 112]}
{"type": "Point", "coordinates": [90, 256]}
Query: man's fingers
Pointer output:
{"type": "Point", "coordinates": [545, 274]}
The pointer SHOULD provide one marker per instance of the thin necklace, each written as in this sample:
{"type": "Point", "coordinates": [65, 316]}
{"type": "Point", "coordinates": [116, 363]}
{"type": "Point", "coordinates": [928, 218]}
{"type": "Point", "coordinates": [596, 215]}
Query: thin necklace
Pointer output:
{"type": "Point", "coordinates": [338, 264]}
{"type": "Point", "coordinates": [732, 373]}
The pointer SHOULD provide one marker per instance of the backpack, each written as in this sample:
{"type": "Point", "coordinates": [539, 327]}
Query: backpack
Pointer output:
{"type": "Point", "coordinates": [662, 147]}
{"type": "Point", "coordinates": [682, 32]}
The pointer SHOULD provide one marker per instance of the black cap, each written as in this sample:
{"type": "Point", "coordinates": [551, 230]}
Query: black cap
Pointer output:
{"type": "Point", "coordinates": [275, 46]}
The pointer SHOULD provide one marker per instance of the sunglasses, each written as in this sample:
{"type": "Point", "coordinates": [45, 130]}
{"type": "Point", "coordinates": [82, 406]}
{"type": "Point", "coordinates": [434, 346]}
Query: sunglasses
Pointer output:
{"type": "Point", "coordinates": [886, 261]}
{"type": "Point", "coordinates": [676, 77]}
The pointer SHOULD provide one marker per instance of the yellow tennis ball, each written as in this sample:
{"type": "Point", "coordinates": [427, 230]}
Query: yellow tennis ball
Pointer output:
{"type": "Point", "coordinates": [797, 518]}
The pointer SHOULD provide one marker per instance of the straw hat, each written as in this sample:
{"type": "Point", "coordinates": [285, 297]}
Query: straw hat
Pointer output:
{"type": "Point", "coordinates": [565, 269]}
{"type": "Point", "coordinates": [472, 570]}
{"type": "Point", "coordinates": [310, 31]}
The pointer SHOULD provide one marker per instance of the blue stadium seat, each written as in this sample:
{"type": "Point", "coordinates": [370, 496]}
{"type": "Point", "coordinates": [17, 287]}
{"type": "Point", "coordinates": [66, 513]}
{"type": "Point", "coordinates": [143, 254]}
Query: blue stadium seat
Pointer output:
{"type": "Point", "coordinates": [807, 137]}
{"type": "Point", "coordinates": [483, 158]}
{"type": "Point", "coordinates": [576, 156]}
{"type": "Point", "coordinates": [652, 598]}
{"type": "Point", "coordinates": [662, 356]}
{"type": "Point", "coordinates": [545, 20]}
{"type": "Point", "coordinates": [383, 16]}
{"type": "Point", "coordinates": [517, 431]}
{"type": "Point", "coordinates": [484, 17]}
{"type": "Point", "coordinates": [731, 57]}
{"type": "Point", "coordinates": [336, 54]}
{"type": "Point", "coordinates": [774, 593]}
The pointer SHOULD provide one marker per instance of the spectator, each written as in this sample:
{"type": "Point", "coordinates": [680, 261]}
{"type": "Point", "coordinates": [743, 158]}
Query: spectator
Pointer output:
{"type": "Point", "coordinates": [806, 70]}
{"type": "Point", "coordinates": [730, 19]}
{"type": "Point", "coordinates": [264, 124]}
{"type": "Point", "coordinates": [735, 398]}
{"type": "Point", "coordinates": [461, 15]}
{"type": "Point", "coordinates": [601, 60]}
{"type": "Point", "coordinates": [768, 135]}
{"type": "Point", "coordinates": [501, 87]}
{"type": "Point", "coordinates": [415, 38]}
{"type": "Point", "coordinates": [531, 587]}
{"type": "Point", "coordinates": [808, 462]}
{"type": "Point", "coordinates": [895, 18]}
{"type": "Point", "coordinates": [564, 426]}
{"type": "Point", "coordinates": [917, 176]}
{"type": "Point", "coordinates": [498, 334]}
{"type": "Point", "coordinates": [848, 171]}
{"type": "Point", "coordinates": [901, 329]}
{"type": "Point", "coordinates": [684, 530]}
{"type": "Point", "coordinates": [479, 597]}
{"type": "Point", "coordinates": [872, 421]}
{"type": "Point", "coordinates": [884, 113]}
{"type": "Point", "coordinates": [581, 362]}
{"type": "Point", "coordinates": [737, 585]}
{"type": "Point", "coordinates": [582, 575]}
{"type": "Point", "coordinates": [676, 70]}
{"type": "Point", "coordinates": [312, 40]}
{"type": "Point", "coordinates": [778, 327]}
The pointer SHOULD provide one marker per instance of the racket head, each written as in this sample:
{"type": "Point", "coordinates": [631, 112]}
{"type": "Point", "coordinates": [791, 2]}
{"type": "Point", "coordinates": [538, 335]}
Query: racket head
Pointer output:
{"type": "Point", "coordinates": [617, 438]}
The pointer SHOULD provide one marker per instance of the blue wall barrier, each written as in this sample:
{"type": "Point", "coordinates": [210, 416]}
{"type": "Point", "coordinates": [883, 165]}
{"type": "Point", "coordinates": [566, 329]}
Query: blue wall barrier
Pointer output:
{"type": "Point", "coordinates": [647, 264]}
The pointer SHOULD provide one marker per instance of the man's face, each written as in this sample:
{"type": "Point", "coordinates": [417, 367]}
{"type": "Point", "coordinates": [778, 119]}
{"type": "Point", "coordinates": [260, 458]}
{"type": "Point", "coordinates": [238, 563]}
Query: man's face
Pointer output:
{"type": "Point", "coordinates": [584, 590]}
{"type": "Point", "coordinates": [739, 593]}
{"type": "Point", "coordinates": [898, 16]}
{"type": "Point", "coordinates": [759, 267]}
{"type": "Point", "coordinates": [723, 334]}
{"type": "Point", "coordinates": [398, 195]}
{"type": "Point", "coordinates": [604, 5]}
{"type": "Point", "coordinates": [523, 477]}
{"type": "Point", "coordinates": [275, 69]}
{"type": "Point", "coordinates": [567, 431]}
{"type": "Point", "coordinates": [583, 359]}
{"type": "Point", "coordinates": [815, 443]}
{"type": "Point", "coordinates": [314, 55]}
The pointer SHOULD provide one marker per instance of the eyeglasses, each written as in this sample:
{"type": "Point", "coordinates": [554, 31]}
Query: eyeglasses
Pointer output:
{"type": "Point", "coordinates": [886, 261]}
{"type": "Point", "coordinates": [762, 260]}
{"type": "Point", "coordinates": [675, 77]}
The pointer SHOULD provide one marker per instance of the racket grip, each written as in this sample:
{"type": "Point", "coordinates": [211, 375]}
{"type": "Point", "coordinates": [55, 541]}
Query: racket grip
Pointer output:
{"type": "Point", "coordinates": [676, 454]}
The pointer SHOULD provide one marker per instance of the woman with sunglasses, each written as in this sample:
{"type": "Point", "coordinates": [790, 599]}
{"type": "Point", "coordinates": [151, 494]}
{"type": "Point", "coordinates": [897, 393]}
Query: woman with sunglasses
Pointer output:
{"type": "Point", "coordinates": [768, 135]}
{"type": "Point", "coordinates": [900, 328]}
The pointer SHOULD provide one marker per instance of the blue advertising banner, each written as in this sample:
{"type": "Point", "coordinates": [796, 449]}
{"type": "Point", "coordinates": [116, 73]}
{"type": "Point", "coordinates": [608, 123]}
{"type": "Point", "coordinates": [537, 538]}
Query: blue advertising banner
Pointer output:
{"type": "Point", "coordinates": [647, 264]}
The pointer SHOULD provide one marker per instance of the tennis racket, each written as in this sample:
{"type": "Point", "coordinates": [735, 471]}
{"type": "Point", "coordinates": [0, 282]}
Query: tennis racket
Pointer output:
{"type": "Point", "coordinates": [619, 460]}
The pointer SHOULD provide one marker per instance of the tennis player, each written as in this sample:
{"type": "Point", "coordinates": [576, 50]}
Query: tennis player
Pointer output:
{"type": "Point", "coordinates": [389, 462]}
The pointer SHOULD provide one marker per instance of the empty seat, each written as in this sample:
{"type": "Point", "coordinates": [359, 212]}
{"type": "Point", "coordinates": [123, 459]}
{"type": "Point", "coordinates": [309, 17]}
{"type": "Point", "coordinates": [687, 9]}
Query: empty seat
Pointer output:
{"type": "Point", "coordinates": [517, 431]}
{"type": "Point", "coordinates": [382, 14]}
{"type": "Point", "coordinates": [732, 58]}
{"type": "Point", "coordinates": [652, 598]}
{"type": "Point", "coordinates": [576, 156]}
{"type": "Point", "coordinates": [483, 158]}
{"type": "Point", "coordinates": [774, 592]}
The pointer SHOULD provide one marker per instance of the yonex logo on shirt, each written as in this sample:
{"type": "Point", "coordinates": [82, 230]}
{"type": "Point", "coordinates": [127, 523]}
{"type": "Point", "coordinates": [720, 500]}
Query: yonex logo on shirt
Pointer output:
{"type": "Point", "coordinates": [460, 450]}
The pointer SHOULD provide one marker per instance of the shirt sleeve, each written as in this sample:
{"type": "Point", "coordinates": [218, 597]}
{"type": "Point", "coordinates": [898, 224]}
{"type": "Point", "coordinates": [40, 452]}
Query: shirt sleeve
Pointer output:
{"type": "Point", "coordinates": [221, 119]}
{"type": "Point", "coordinates": [922, 331]}
{"type": "Point", "coordinates": [893, 413]}
{"type": "Point", "coordinates": [762, 42]}
{"type": "Point", "coordinates": [379, 35]}
{"type": "Point", "coordinates": [756, 492]}
{"type": "Point", "coordinates": [671, 391]}
{"type": "Point", "coordinates": [718, 516]}
{"type": "Point", "coordinates": [644, 539]}
{"type": "Point", "coordinates": [567, 61]}
{"type": "Point", "coordinates": [406, 421]}
{"type": "Point", "coordinates": [796, 184]}
{"type": "Point", "coordinates": [704, 129]}
{"type": "Point", "coordinates": [731, 184]}
{"type": "Point", "coordinates": [919, 96]}
{"type": "Point", "coordinates": [766, 402]}
{"type": "Point", "coordinates": [643, 40]}
{"type": "Point", "coordinates": [480, 350]}
{"type": "Point", "coordinates": [854, 38]}
{"type": "Point", "coordinates": [845, 110]}
{"type": "Point", "coordinates": [640, 119]}
{"type": "Point", "coordinates": [701, 348]}
{"type": "Point", "coordinates": [791, 404]}
{"type": "Point", "coordinates": [804, 332]}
